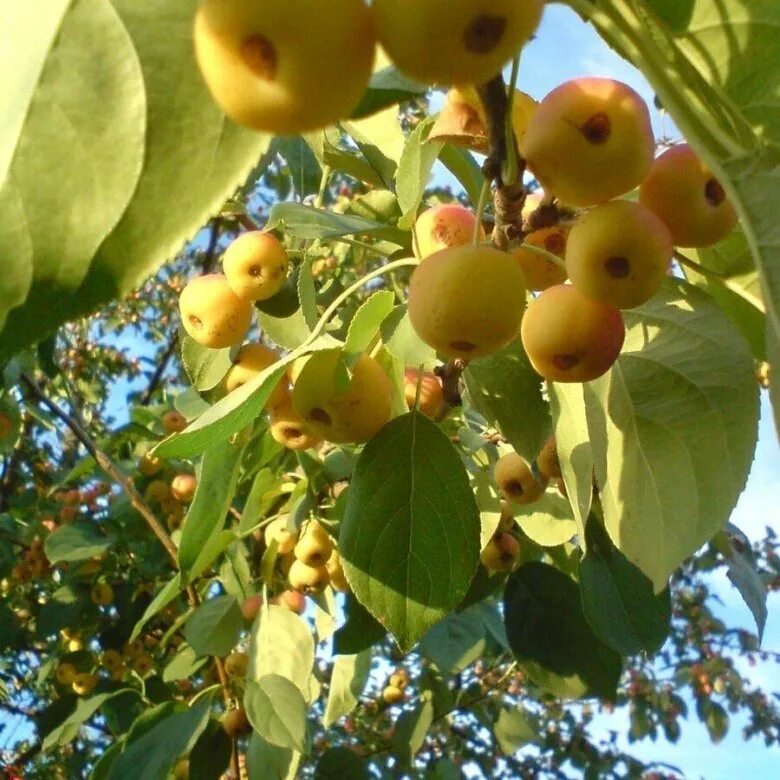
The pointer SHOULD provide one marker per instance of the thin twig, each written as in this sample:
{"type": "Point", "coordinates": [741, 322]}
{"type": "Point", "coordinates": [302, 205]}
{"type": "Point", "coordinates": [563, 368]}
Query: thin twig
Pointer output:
{"type": "Point", "coordinates": [107, 465]}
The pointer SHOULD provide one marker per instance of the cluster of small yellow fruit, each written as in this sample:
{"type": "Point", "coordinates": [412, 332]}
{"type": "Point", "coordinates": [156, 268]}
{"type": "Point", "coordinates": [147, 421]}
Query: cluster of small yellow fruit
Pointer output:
{"type": "Point", "coordinates": [310, 558]}
{"type": "Point", "coordinates": [82, 678]}
{"type": "Point", "coordinates": [588, 142]}
{"type": "Point", "coordinates": [393, 692]}
{"type": "Point", "coordinates": [270, 65]}
{"type": "Point", "coordinates": [520, 483]}
{"type": "Point", "coordinates": [169, 492]}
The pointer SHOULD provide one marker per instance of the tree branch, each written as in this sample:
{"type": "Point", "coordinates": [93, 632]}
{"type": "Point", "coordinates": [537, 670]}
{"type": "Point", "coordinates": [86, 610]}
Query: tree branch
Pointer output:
{"type": "Point", "coordinates": [107, 465]}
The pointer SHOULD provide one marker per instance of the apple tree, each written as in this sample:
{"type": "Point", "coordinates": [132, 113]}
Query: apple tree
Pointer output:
{"type": "Point", "coordinates": [362, 416]}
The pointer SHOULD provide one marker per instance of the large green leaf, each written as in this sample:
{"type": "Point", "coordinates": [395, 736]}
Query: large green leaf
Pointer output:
{"type": "Point", "coordinates": [77, 542]}
{"type": "Point", "coordinates": [206, 516]}
{"type": "Point", "coordinates": [508, 393]}
{"type": "Point", "coordinates": [618, 600]}
{"type": "Point", "coordinates": [715, 68]}
{"type": "Point", "coordinates": [215, 626]}
{"type": "Point", "coordinates": [158, 749]}
{"type": "Point", "coordinates": [550, 637]}
{"type": "Point", "coordinates": [673, 429]}
{"type": "Point", "coordinates": [192, 160]}
{"type": "Point", "coordinates": [347, 681]}
{"type": "Point", "coordinates": [455, 642]}
{"type": "Point", "coordinates": [277, 711]}
{"type": "Point", "coordinates": [281, 643]}
{"type": "Point", "coordinates": [409, 539]}
{"type": "Point", "coordinates": [72, 151]}
{"type": "Point", "coordinates": [265, 761]}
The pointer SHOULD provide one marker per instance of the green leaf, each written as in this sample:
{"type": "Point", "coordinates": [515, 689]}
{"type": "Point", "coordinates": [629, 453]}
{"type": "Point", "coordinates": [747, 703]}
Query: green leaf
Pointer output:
{"type": "Point", "coordinates": [744, 574]}
{"type": "Point", "coordinates": [281, 643]}
{"type": "Point", "coordinates": [381, 140]}
{"type": "Point", "coordinates": [78, 115]}
{"type": "Point", "coordinates": [184, 664]}
{"type": "Point", "coordinates": [366, 324]}
{"type": "Point", "coordinates": [265, 761]}
{"type": "Point", "coordinates": [305, 171]}
{"type": "Point", "coordinates": [214, 627]}
{"type": "Point", "coordinates": [158, 749]}
{"type": "Point", "coordinates": [347, 681]}
{"type": "Point", "coordinates": [340, 763]}
{"type": "Point", "coordinates": [328, 149]}
{"type": "Point", "coordinates": [414, 168]}
{"type": "Point", "coordinates": [618, 600]}
{"type": "Point", "coordinates": [387, 87]}
{"type": "Point", "coordinates": [715, 718]}
{"type": "Point", "coordinates": [71, 726]}
{"type": "Point", "coordinates": [402, 339]}
{"type": "Point", "coordinates": [206, 515]}
{"type": "Point", "coordinates": [78, 541]}
{"type": "Point", "coordinates": [205, 367]}
{"type": "Point", "coordinates": [572, 440]}
{"type": "Point", "coordinates": [309, 223]}
{"type": "Point", "coordinates": [736, 288]}
{"type": "Point", "coordinates": [162, 598]}
{"type": "Point", "coordinates": [462, 165]}
{"type": "Point", "coordinates": [307, 295]}
{"type": "Point", "coordinates": [210, 758]}
{"type": "Point", "coordinates": [550, 637]}
{"type": "Point", "coordinates": [514, 729]}
{"type": "Point", "coordinates": [409, 540]}
{"type": "Point", "coordinates": [507, 392]}
{"type": "Point", "coordinates": [548, 521]}
{"type": "Point", "coordinates": [360, 631]}
{"type": "Point", "coordinates": [724, 104]}
{"type": "Point", "coordinates": [673, 429]}
{"type": "Point", "coordinates": [411, 729]}
{"type": "Point", "coordinates": [455, 642]}
{"type": "Point", "coordinates": [277, 711]}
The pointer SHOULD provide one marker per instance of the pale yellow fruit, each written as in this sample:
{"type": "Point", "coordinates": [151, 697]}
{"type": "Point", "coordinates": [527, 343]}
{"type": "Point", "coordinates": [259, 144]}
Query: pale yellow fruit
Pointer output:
{"type": "Point", "coordinates": [687, 197]}
{"type": "Point", "coordinates": [84, 683]}
{"type": "Point", "coordinates": [65, 674]}
{"type": "Point", "coordinates": [336, 573]}
{"type": "Point", "coordinates": [283, 533]}
{"type": "Point", "coordinates": [516, 481]}
{"type": "Point", "coordinates": [255, 265]}
{"type": "Point", "coordinates": [467, 302]}
{"type": "Point", "coordinates": [212, 314]}
{"type": "Point", "coordinates": [251, 361]}
{"type": "Point", "coordinates": [285, 66]}
{"type": "Point", "coordinates": [307, 579]}
{"type": "Point", "coordinates": [590, 140]}
{"type": "Point", "coordinates": [454, 41]}
{"type": "Point", "coordinates": [291, 430]}
{"type": "Point", "coordinates": [440, 227]}
{"type": "Point", "coordinates": [237, 664]}
{"type": "Point", "coordinates": [571, 338]}
{"type": "Point", "coordinates": [353, 415]}
{"type": "Point", "coordinates": [315, 545]}
{"type": "Point", "coordinates": [540, 272]}
{"type": "Point", "coordinates": [618, 254]}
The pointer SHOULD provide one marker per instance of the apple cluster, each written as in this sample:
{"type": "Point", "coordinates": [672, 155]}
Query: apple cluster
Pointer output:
{"type": "Point", "coordinates": [588, 143]}
{"type": "Point", "coordinates": [270, 65]}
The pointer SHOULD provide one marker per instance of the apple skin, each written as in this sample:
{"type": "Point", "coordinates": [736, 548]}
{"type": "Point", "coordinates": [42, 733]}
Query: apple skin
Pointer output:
{"type": "Point", "coordinates": [570, 338]}
{"type": "Point", "coordinates": [590, 140]}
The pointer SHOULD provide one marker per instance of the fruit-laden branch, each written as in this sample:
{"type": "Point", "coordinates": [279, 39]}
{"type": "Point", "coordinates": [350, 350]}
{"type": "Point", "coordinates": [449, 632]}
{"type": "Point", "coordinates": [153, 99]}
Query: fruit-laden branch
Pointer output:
{"type": "Point", "coordinates": [165, 358]}
{"type": "Point", "coordinates": [509, 197]}
{"type": "Point", "coordinates": [106, 464]}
